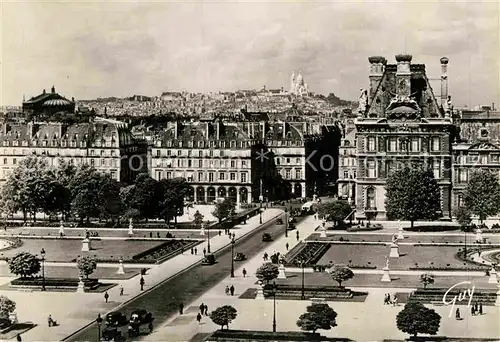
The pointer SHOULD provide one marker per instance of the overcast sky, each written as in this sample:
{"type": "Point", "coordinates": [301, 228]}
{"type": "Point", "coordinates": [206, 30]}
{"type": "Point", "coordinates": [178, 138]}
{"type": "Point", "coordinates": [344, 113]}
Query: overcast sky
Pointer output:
{"type": "Point", "coordinates": [98, 49]}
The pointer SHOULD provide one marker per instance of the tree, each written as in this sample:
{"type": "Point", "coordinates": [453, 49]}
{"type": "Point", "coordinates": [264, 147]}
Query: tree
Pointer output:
{"type": "Point", "coordinates": [171, 198]}
{"type": "Point", "coordinates": [7, 307]}
{"type": "Point", "coordinates": [224, 209]}
{"type": "Point", "coordinates": [145, 196]}
{"type": "Point", "coordinates": [86, 265]}
{"type": "Point", "coordinates": [84, 188]}
{"type": "Point", "coordinates": [267, 272]}
{"type": "Point", "coordinates": [416, 318]}
{"type": "Point", "coordinates": [109, 201]}
{"type": "Point", "coordinates": [340, 273]}
{"type": "Point", "coordinates": [223, 315]}
{"type": "Point", "coordinates": [318, 316]}
{"type": "Point", "coordinates": [24, 264]}
{"type": "Point", "coordinates": [198, 218]}
{"type": "Point", "coordinates": [412, 193]}
{"type": "Point", "coordinates": [426, 279]}
{"type": "Point", "coordinates": [464, 218]}
{"type": "Point", "coordinates": [482, 194]}
{"type": "Point", "coordinates": [335, 211]}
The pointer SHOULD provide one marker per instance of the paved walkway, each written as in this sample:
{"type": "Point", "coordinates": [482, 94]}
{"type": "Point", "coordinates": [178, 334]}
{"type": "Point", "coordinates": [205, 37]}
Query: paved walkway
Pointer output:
{"type": "Point", "coordinates": [377, 320]}
{"type": "Point", "coordinates": [74, 310]}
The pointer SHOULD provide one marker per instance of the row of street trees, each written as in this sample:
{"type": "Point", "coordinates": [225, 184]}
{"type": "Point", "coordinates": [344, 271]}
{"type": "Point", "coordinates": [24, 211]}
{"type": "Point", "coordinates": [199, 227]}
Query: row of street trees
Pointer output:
{"type": "Point", "coordinates": [83, 193]}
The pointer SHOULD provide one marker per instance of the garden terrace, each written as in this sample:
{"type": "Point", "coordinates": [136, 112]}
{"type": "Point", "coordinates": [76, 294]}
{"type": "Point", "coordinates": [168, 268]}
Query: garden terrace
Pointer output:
{"type": "Point", "coordinates": [331, 293]}
{"type": "Point", "coordinates": [309, 254]}
{"type": "Point", "coordinates": [435, 295]}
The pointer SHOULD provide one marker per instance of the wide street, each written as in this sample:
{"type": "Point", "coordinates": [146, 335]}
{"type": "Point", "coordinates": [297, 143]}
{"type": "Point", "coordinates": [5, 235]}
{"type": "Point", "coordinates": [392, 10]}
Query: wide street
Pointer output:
{"type": "Point", "coordinates": [163, 300]}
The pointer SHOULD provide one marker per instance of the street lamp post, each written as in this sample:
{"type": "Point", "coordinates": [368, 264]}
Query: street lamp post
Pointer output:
{"type": "Point", "coordinates": [274, 306]}
{"type": "Point", "coordinates": [98, 320]}
{"type": "Point", "coordinates": [260, 200]}
{"type": "Point", "coordinates": [232, 258]}
{"type": "Point", "coordinates": [302, 295]}
{"type": "Point", "coordinates": [42, 253]}
{"type": "Point", "coordinates": [286, 223]}
{"type": "Point", "coordinates": [208, 238]}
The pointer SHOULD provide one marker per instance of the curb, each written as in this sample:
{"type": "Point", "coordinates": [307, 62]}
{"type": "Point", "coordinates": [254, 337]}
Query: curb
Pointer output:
{"type": "Point", "coordinates": [259, 227]}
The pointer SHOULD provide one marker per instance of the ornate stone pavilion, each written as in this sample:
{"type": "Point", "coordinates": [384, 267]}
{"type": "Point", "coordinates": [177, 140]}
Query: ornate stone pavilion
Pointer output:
{"type": "Point", "coordinates": [400, 121]}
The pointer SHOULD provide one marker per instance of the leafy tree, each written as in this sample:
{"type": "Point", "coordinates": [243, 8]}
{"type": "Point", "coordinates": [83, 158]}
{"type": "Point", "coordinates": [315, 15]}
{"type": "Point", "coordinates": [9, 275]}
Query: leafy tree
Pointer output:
{"type": "Point", "coordinates": [7, 306]}
{"type": "Point", "coordinates": [340, 273]}
{"type": "Point", "coordinates": [412, 193]}
{"type": "Point", "coordinates": [416, 318]}
{"type": "Point", "coordinates": [482, 194]}
{"type": "Point", "coordinates": [145, 196]}
{"type": "Point", "coordinates": [109, 201]}
{"type": "Point", "coordinates": [224, 209]}
{"type": "Point", "coordinates": [464, 218]}
{"type": "Point", "coordinates": [24, 264]}
{"type": "Point", "coordinates": [86, 265]}
{"type": "Point", "coordinates": [318, 316]}
{"type": "Point", "coordinates": [335, 211]}
{"type": "Point", "coordinates": [171, 198]}
{"type": "Point", "coordinates": [426, 279]}
{"type": "Point", "coordinates": [84, 188]}
{"type": "Point", "coordinates": [267, 272]}
{"type": "Point", "coordinates": [198, 218]}
{"type": "Point", "coordinates": [223, 315]}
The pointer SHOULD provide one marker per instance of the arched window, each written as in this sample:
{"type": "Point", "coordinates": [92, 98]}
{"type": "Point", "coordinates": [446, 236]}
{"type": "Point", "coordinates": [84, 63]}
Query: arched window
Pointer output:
{"type": "Point", "coordinates": [370, 198]}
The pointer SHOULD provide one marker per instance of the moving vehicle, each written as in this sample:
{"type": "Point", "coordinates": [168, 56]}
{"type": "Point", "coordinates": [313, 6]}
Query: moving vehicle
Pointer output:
{"type": "Point", "coordinates": [140, 316]}
{"type": "Point", "coordinates": [209, 259]}
{"type": "Point", "coordinates": [308, 208]}
{"type": "Point", "coordinates": [111, 334]}
{"type": "Point", "coordinates": [240, 257]}
{"type": "Point", "coordinates": [115, 319]}
{"type": "Point", "coordinates": [266, 237]}
{"type": "Point", "coordinates": [279, 221]}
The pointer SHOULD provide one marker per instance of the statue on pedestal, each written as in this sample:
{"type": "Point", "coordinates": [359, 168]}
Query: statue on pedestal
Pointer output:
{"type": "Point", "coordinates": [386, 262]}
{"type": "Point", "coordinates": [363, 102]}
{"type": "Point", "coordinates": [394, 239]}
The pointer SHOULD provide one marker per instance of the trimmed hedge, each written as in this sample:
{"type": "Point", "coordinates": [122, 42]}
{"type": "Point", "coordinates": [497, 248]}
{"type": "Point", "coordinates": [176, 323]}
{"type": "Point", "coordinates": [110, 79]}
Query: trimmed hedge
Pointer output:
{"type": "Point", "coordinates": [38, 282]}
{"type": "Point", "coordinates": [431, 228]}
{"type": "Point", "coordinates": [252, 335]}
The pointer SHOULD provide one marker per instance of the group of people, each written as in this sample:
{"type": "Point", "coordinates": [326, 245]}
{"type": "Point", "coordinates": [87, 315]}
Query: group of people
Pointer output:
{"type": "Point", "coordinates": [476, 309]}
{"type": "Point", "coordinates": [203, 312]}
{"type": "Point", "coordinates": [229, 290]}
{"type": "Point", "coordinates": [391, 301]}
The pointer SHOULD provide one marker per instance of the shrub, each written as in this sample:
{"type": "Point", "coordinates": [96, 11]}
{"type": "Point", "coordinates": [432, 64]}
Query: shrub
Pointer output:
{"type": "Point", "coordinates": [7, 306]}
{"type": "Point", "coordinates": [24, 264]}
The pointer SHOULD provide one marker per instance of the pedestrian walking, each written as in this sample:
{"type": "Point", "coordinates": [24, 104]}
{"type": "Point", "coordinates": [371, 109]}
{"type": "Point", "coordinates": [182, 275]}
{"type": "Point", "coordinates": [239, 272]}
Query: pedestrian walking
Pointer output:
{"type": "Point", "coordinates": [49, 320]}
{"type": "Point", "coordinates": [297, 235]}
{"type": "Point", "coordinates": [202, 308]}
{"type": "Point", "coordinates": [231, 289]}
{"type": "Point", "coordinates": [473, 310]}
{"type": "Point", "coordinates": [204, 251]}
{"type": "Point", "coordinates": [192, 251]}
{"type": "Point", "coordinates": [206, 310]}
{"type": "Point", "coordinates": [234, 236]}
{"type": "Point", "coordinates": [395, 301]}
{"type": "Point", "coordinates": [244, 273]}
{"type": "Point", "coordinates": [480, 308]}
{"type": "Point", "coordinates": [287, 245]}
{"type": "Point", "coordinates": [265, 256]}
{"type": "Point", "coordinates": [227, 290]}
{"type": "Point", "coordinates": [476, 307]}
{"type": "Point", "coordinates": [386, 299]}
{"type": "Point", "coordinates": [457, 314]}
{"type": "Point", "coordinates": [198, 318]}
{"type": "Point", "coordinates": [121, 290]}
{"type": "Point", "coordinates": [181, 309]}
{"type": "Point", "coordinates": [220, 233]}
{"type": "Point", "coordinates": [195, 251]}
{"type": "Point", "coordinates": [142, 283]}
{"type": "Point", "coordinates": [106, 296]}
{"type": "Point", "coordinates": [18, 338]}
{"type": "Point", "coordinates": [150, 326]}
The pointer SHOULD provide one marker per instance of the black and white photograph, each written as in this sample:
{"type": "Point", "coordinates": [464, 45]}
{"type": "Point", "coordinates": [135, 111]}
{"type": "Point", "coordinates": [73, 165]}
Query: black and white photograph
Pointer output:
{"type": "Point", "coordinates": [230, 171]}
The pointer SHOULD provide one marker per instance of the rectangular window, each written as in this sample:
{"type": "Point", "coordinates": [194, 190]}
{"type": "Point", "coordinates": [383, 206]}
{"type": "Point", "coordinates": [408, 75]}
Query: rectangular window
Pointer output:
{"type": "Point", "coordinates": [200, 176]}
{"type": "Point", "coordinates": [200, 163]}
{"type": "Point", "coordinates": [210, 177]}
{"type": "Point", "coordinates": [346, 174]}
{"type": "Point", "coordinates": [288, 160]}
{"type": "Point", "coordinates": [435, 144]}
{"type": "Point", "coordinates": [169, 175]}
{"type": "Point", "coordinates": [370, 165]}
{"type": "Point", "coordinates": [463, 176]}
{"type": "Point", "coordinates": [288, 174]}
{"type": "Point", "coordinates": [436, 169]}
{"type": "Point", "coordinates": [484, 159]}
{"type": "Point", "coordinates": [298, 174]}
{"type": "Point", "coordinates": [243, 177]}
{"type": "Point", "coordinates": [414, 145]}
{"type": "Point", "coordinates": [113, 174]}
{"type": "Point", "coordinates": [221, 175]}
{"type": "Point", "coordinates": [232, 176]}
{"type": "Point", "coordinates": [159, 175]}
{"type": "Point", "coordinates": [179, 163]}
{"type": "Point", "coordinates": [297, 160]}
{"type": "Point", "coordinates": [371, 144]}
{"type": "Point", "coordinates": [92, 162]}
{"type": "Point", "coordinates": [243, 163]}
{"type": "Point", "coordinates": [233, 163]}
{"type": "Point", "coordinates": [393, 144]}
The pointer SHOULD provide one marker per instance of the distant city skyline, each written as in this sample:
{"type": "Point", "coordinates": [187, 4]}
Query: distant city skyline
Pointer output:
{"type": "Point", "coordinates": [90, 50]}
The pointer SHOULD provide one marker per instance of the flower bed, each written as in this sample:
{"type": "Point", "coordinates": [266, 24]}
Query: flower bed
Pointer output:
{"type": "Point", "coordinates": [366, 228]}
{"type": "Point", "coordinates": [252, 335]}
{"type": "Point", "coordinates": [53, 282]}
{"type": "Point", "coordinates": [309, 254]}
{"type": "Point", "coordinates": [293, 291]}
{"type": "Point", "coordinates": [164, 251]}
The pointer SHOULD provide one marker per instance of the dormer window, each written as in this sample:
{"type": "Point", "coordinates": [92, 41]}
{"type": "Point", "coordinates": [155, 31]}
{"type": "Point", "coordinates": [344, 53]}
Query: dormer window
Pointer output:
{"type": "Point", "coordinates": [45, 143]}
{"type": "Point", "coordinates": [158, 143]}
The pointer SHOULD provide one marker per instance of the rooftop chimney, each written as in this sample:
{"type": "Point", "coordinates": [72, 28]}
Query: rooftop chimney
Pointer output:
{"type": "Point", "coordinates": [377, 64]}
{"type": "Point", "coordinates": [444, 80]}
{"type": "Point", "coordinates": [53, 90]}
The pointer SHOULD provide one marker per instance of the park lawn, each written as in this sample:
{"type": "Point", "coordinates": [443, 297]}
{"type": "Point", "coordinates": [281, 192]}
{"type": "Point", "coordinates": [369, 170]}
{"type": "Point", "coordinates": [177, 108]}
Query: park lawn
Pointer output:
{"type": "Point", "coordinates": [387, 238]}
{"type": "Point", "coordinates": [361, 255]}
{"type": "Point", "coordinates": [373, 280]}
{"type": "Point", "coordinates": [66, 250]}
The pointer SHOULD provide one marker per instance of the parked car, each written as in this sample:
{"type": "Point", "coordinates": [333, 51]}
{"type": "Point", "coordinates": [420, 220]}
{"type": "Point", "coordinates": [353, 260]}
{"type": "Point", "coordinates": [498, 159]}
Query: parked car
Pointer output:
{"type": "Point", "coordinates": [111, 334]}
{"type": "Point", "coordinates": [209, 259]}
{"type": "Point", "coordinates": [140, 316]}
{"type": "Point", "coordinates": [115, 319]}
{"type": "Point", "coordinates": [266, 237]}
{"type": "Point", "coordinates": [240, 257]}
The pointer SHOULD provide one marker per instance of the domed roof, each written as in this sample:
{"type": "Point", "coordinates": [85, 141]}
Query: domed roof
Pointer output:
{"type": "Point", "coordinates": [56, 103]}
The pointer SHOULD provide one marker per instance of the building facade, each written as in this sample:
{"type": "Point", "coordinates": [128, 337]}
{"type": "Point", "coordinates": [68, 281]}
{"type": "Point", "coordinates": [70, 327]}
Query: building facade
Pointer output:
{"type": "Point", "coordinates": [107, 146]}
{"type": "Point", "coordinates": [347, 163]}
{"type": "Point", "coordinates": [399, 122]}
{"type": "Point", "coordinates": [48, 103]}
